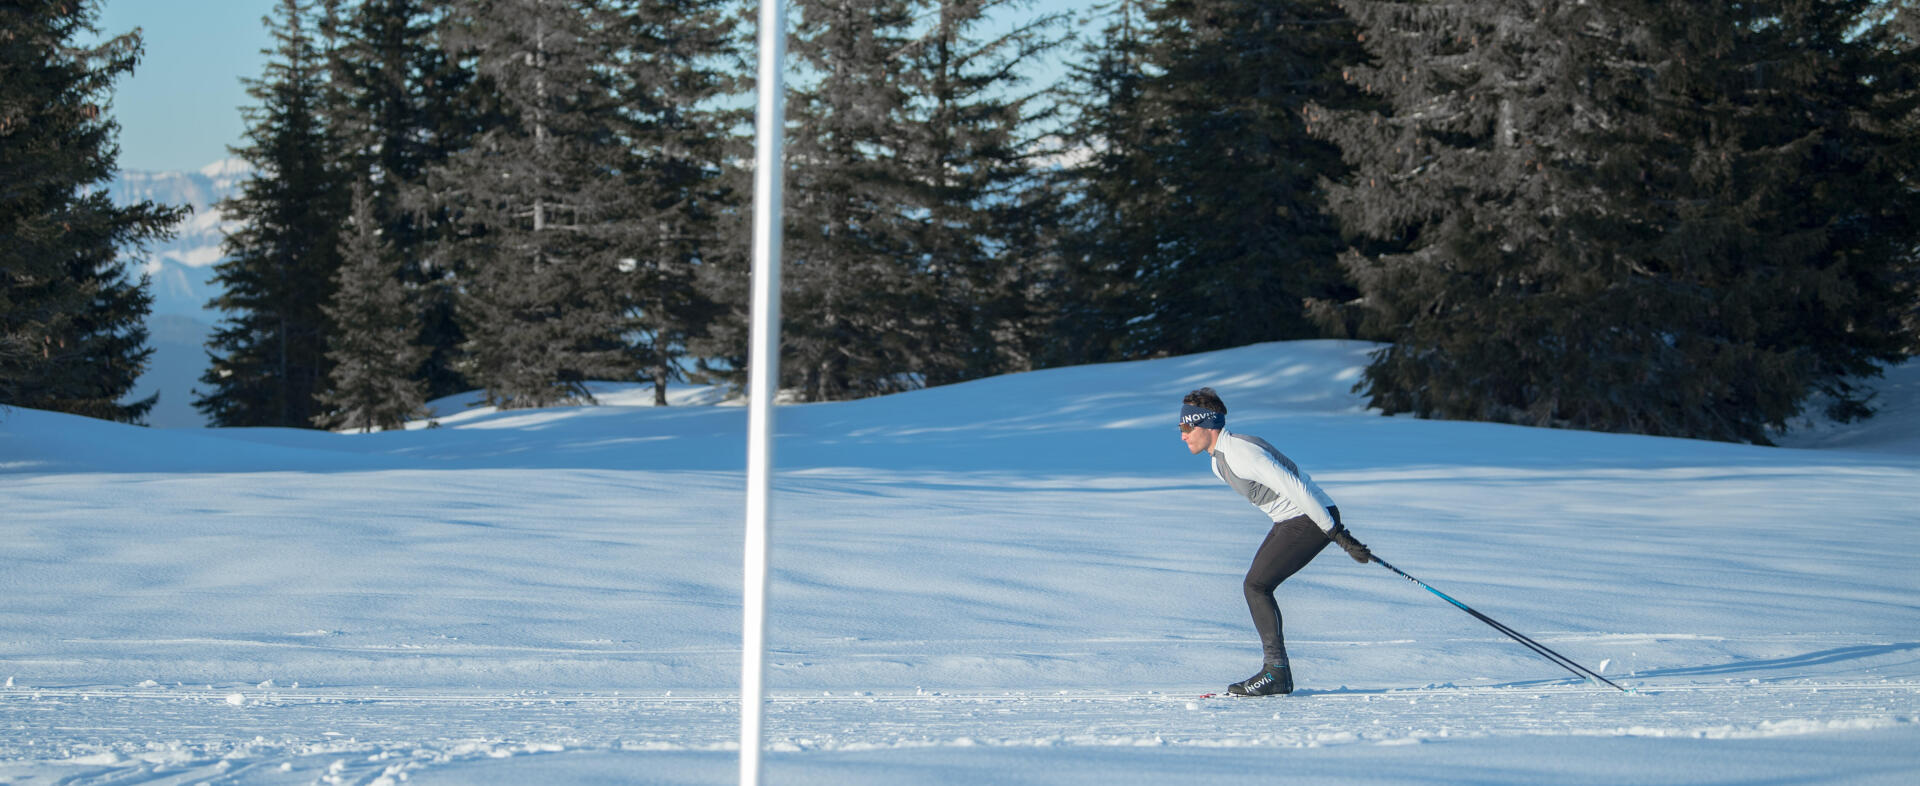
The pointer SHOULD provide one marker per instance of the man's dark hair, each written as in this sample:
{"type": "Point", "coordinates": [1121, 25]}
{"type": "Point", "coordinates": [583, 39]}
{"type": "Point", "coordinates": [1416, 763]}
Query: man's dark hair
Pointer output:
{"type": "Point", "coordinates": [1205, 398]}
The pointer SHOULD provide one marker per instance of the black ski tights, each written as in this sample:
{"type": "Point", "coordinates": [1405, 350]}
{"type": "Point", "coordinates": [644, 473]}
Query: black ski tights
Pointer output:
{"type": "Point", "coordinates": [1288, 548]}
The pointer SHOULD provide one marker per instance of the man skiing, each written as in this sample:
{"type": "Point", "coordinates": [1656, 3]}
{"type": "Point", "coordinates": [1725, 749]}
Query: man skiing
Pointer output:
{"type": "Point", "coordinates": [1304, 522]}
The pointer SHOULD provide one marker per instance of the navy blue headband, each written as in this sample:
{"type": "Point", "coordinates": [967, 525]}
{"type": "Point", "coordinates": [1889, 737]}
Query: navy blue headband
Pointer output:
{"type": "Point", "coordinates": [1200, 417]}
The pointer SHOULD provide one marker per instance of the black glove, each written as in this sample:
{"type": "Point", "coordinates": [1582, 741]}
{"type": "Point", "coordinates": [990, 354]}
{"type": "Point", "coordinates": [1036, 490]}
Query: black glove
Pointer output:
{"type": "Point", "coordinates": [1355, 549]}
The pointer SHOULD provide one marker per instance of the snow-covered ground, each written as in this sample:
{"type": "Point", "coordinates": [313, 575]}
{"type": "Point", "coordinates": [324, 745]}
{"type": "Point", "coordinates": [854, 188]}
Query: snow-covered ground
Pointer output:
{"type": "Point", "coordinates": [1016, 580]}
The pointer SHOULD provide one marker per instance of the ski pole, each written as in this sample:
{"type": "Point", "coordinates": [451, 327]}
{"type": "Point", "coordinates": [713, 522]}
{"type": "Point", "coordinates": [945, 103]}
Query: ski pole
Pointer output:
{"type": "Point", "coordinates": [1563, 661]}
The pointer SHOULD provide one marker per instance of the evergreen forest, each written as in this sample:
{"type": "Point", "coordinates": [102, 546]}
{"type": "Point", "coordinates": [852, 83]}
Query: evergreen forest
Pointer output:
{"type": "Point", "coordinates": [1687, 218]}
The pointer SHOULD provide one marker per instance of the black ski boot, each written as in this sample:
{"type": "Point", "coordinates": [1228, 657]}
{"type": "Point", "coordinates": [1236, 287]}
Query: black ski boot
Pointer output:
{"type": "Point", "coordinates": [1273, 680]}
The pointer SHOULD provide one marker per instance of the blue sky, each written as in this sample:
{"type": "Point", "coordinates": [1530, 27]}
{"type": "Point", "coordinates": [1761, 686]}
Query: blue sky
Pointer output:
{"type": "Point", "coordinates": [181, 108]}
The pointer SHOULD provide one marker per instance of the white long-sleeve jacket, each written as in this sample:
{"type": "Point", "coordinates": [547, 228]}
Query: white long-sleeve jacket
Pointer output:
{"type": "Point", "coordinates": [1270, 480]}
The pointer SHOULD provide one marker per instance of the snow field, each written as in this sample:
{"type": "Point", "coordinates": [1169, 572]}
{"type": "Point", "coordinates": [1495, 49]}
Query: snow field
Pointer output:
{"type": "Point", "coordinates": [1023, 579]}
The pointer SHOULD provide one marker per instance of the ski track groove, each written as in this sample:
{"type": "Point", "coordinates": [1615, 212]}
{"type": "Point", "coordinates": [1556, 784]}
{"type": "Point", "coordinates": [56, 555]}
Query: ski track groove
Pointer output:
{"type": "Point", "coordinates": [354, 736]}
{"type": "Point", "coordinates": [325, 695]}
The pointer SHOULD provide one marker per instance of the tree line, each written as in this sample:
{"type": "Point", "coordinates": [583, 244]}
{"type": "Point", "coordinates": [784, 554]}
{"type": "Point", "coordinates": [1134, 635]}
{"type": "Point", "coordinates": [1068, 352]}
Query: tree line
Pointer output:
{"type": "Point", "coordinates": [1680, 218]}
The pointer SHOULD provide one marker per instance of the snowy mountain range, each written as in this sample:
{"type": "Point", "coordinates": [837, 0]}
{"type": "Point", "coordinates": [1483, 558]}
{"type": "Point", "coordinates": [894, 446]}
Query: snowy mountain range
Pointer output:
{"type": "Point", "coordinates": [182, 272]}
{"type": "Point", "coordinates": [182, 266]}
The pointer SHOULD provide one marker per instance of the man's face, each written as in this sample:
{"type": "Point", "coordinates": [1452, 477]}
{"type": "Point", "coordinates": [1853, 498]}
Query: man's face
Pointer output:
{"type": "Point", "coordinates": [1197, 439]}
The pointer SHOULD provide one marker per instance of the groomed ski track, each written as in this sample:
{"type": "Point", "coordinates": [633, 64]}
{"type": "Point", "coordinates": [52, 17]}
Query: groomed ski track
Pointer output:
{"type": "Point", "coordinates": [297, 695]}
{"type": "Point", "coordinates": [255, 734]}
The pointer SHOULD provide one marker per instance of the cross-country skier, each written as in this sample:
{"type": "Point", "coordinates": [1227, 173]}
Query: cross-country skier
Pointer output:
{"type": "Point", "coordinates": [1304, 522]}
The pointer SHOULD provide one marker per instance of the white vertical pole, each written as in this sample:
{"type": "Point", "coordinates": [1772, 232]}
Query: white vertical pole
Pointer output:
{"type": "Point", "coordinates": [764, 367]}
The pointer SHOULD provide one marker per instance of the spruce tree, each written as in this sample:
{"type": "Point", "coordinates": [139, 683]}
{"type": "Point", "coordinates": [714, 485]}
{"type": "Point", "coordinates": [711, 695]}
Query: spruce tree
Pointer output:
{"type": "Point", "coordinates": [680, 200]}
{"type": "Point", "coordinates": [1243, 239]}
{"type": "Point", "coordinates": [400, 104]}
{"type": "Point", "coordinates": [1108, 227]}
{"type": "Point", "coordinates": [915, 248]}
{"type": "Point", "coordinates": [372, 347]}
{"type": "Point", "coordinates": [1653, 218]}
{"type": "Point", "coordinates": [536, 202]}
{"type": "Point", "coordinates": [856, 310]}
{"type": "Point", "coordinates": [268, 353]}
{"type": "Point", "coordinates": [1205, 197]}
{"type": "Point", "coordinates": [1765, 249]}
{"type": "Point", "coordinates": [968, 156]}
{"type": "Point", "coordinates": [72, 332]}
{"type": "Point", "coordinates": [1457, 174]}
{"type": "Point", "coordinates": [1896, 31]}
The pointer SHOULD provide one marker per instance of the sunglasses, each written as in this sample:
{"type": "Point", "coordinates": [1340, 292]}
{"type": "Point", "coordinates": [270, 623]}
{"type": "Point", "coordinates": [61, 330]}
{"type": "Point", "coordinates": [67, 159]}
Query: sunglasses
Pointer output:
{"type": "Point", "coordinates": [1186, 428]}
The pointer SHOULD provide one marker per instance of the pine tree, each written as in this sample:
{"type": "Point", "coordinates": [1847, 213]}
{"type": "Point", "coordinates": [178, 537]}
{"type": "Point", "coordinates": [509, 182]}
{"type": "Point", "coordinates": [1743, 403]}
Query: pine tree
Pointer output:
{"type": "Point", "coordinates": [855, 307]}
{"type": "Point", "coordinates": [1765, 250]}
{"type": "Point", "coordinates": [372, 346]}
{"type": "Point", "coordinates": [269, 359]}
{"type": "Point", "coordinates": [914, 249]}
{"type": "Point", "coordinates": [968, 153]}
{"type": "Point", "coordinates": [1205, 198]}
{"type": "Point", "coordinates": [399, 105]}
{"type": "Point", "coordinates": [680, 199]}
{"type": "Point", "coordinates": [72, 333]}
{"type": "Point", "coordinates": [1456, 173]}
{"type": "Point", "coordinates": [535, 203]}
{"type": "Point", "coordinates": [1243, 239]}
{"type": "Point", "coordinates": [1107, 230]}
{"type": "Point", "coordinates": [1896, 31]}
{"type": "Point", "coordinates": [1624, 217]}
